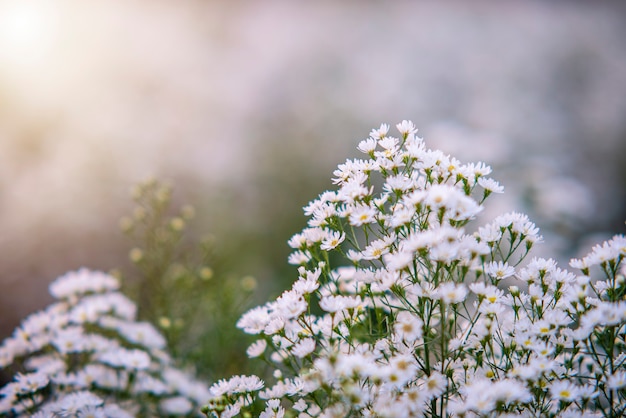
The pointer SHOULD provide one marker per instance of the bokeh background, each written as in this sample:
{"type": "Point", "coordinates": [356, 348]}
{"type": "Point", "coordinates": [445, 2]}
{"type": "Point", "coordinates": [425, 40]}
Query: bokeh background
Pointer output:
{"type": "Point", "coordinates": [247, 107]}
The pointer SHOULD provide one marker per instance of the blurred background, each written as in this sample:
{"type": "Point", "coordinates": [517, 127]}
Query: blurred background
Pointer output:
{"type": "Point", "coordinates": [248, 106]}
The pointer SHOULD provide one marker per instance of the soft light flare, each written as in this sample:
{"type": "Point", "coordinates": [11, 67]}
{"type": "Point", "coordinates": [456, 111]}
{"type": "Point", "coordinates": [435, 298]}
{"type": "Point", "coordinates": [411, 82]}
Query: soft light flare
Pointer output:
{"type": "Point", "coordinates": [28, 32]}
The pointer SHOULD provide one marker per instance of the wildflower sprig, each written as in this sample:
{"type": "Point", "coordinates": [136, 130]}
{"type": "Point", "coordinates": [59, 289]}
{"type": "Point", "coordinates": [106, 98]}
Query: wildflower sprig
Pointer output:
{"type": "Point", "coordinates": [180, 283]}
{"type": "Point", "coordinates": [416, 319]}
{"type": "Point", "coordinates": [87, 355]}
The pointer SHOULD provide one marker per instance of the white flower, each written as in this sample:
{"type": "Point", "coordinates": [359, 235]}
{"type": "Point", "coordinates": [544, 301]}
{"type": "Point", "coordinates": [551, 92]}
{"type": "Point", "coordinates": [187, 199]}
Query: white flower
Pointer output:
{"type": "Point", "coordinates": [70, 340]}
{"type": "Point", "coordinates": [74, 402]}
{"type": "Point", "coordinates": [128, 359]}
{"type": "Point", "coordinates": [616, 381]}
{"type": "Point", "coordinates": [353, 190]}
{"type": "Point", "coordinates": [402, 369]}
{"type": "Point", "coordinates": [275, 325]}
{"type": "Point", "coordinates": [442, 195]}
{"type": "Point", "coordinates": [490, 185]}
{"type": "Point", "coordinates": [434, 385]}
{"type": "Point", "coordinates": [303, 347]}
{"type": "Point", "coordinates": [297, 241]}
{"type": "Point", "coordinates": [178, 405]}
{"type": "Point", "coordinates": [603, 253]}
{"type": "Point", "coordinates": [92, 412]}
{"type": "Point", "coordinates": [145, 383]}
{"type": "Point", "coordinates": [300, 406]}
{"type": "Point", "coordinates": [236, 384]}
{"type": "Point", "coordinates": [509, 390]}
{"type": "Point", "coordinates": [101, 376]}
{"type": "Point", "coordinates": [232, 410]}
{"type": "Point", "coordinates": [186, 385]}
{"type": "Point", "coordinates": [451, 293]}
{"type": "Point", "coordinates": [115, 411]}
{"type": "Point", "coordinates": [332, 240]}
{"type": "Point", "coordinates": [564, 390]}
{"type": "Point", "coordinates": [30, 383]}
{"type": "Point", "coordinates": [489, 233]}
{"type": "Point", "coordinates": [587, 392]}
{"type": "Point", "coordinates": [362, 214]}
{"type": "Point", "coordinates": [398, 260]}
{"type": "Point", "coordinates": [273, 410]}
{"type": "Point", "coordinates": [377, 248]}
{"type": "Point", "coordinates": [579, 264]}
{"type": "Point", "coordinates": [491, 293]}
{"type": "Point", "coordinates": [349, 365]}
{"type": "Point", "coordinates": [80, 282]}
{"type": "Point", "coordinates": [307, 282]}
{"type": "Point", "coordinates": [402, 215]}
{"type": "Point", "coordinates": [444, 252]}
{"type": "Point", "coordinates": [478, 396]}
{"type": "Point", "coordinates": [478, 169]}
{"type": "Point", "coordinates": [354, 256]}
{"type": "Point", "coordinates": [255, 320]}
{"type": "Point", "coordinates": [299, 257]}
{"type": "Point", "coordinates": [381, 132]}
{"type": "Point", "coordinates": [541, 266]}
{"type": "Point", "coordinates": [256, 348]}
{"type": "Point", "coordinates": [290, 304]}
{"type": "Point", "coordinates": [367, 145]}
{"type": "Point", "coordinates": [398, 183]}
{"type": "Point", "coordinates": [142, 333]}
{"type": "Point", "coordinates": [499, 270]}
{"type": "Point", "coordinates": [339, 303]}
{"type": "Point", "coordinates": [406, 127]}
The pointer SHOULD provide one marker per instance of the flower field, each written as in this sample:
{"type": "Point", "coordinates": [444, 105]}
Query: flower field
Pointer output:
{"type": "Point", "coordinates": [157, 158]}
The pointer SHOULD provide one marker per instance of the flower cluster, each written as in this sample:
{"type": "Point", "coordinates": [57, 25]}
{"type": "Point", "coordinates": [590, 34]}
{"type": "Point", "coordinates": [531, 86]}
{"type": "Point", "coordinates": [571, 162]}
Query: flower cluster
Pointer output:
{"type": "Point", "coordinates": [404, 308]}
{"type": "Point", "coordinates": [87, 355]}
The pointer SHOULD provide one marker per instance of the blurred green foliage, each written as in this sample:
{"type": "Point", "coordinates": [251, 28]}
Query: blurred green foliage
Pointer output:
{"type": "Point", "coordinates": [180, 286]}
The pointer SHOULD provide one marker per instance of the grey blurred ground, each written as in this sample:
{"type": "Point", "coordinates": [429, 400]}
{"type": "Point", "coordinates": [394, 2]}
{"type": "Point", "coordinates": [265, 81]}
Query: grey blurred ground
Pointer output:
{"type": "Point", "coordinates": [248, 106]}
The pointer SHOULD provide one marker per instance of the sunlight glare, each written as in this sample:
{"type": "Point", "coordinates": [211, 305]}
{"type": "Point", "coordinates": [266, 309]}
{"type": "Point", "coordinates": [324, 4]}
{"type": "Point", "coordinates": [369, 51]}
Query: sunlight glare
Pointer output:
{"type": "Point", "coordinates": [28, 32]}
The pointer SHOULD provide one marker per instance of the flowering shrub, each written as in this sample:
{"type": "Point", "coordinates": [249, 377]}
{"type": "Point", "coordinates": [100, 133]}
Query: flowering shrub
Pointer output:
{"type": "Point", "coordinates": [403, 307]}
{"type": "Point", "coordinates": [87, 356]}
